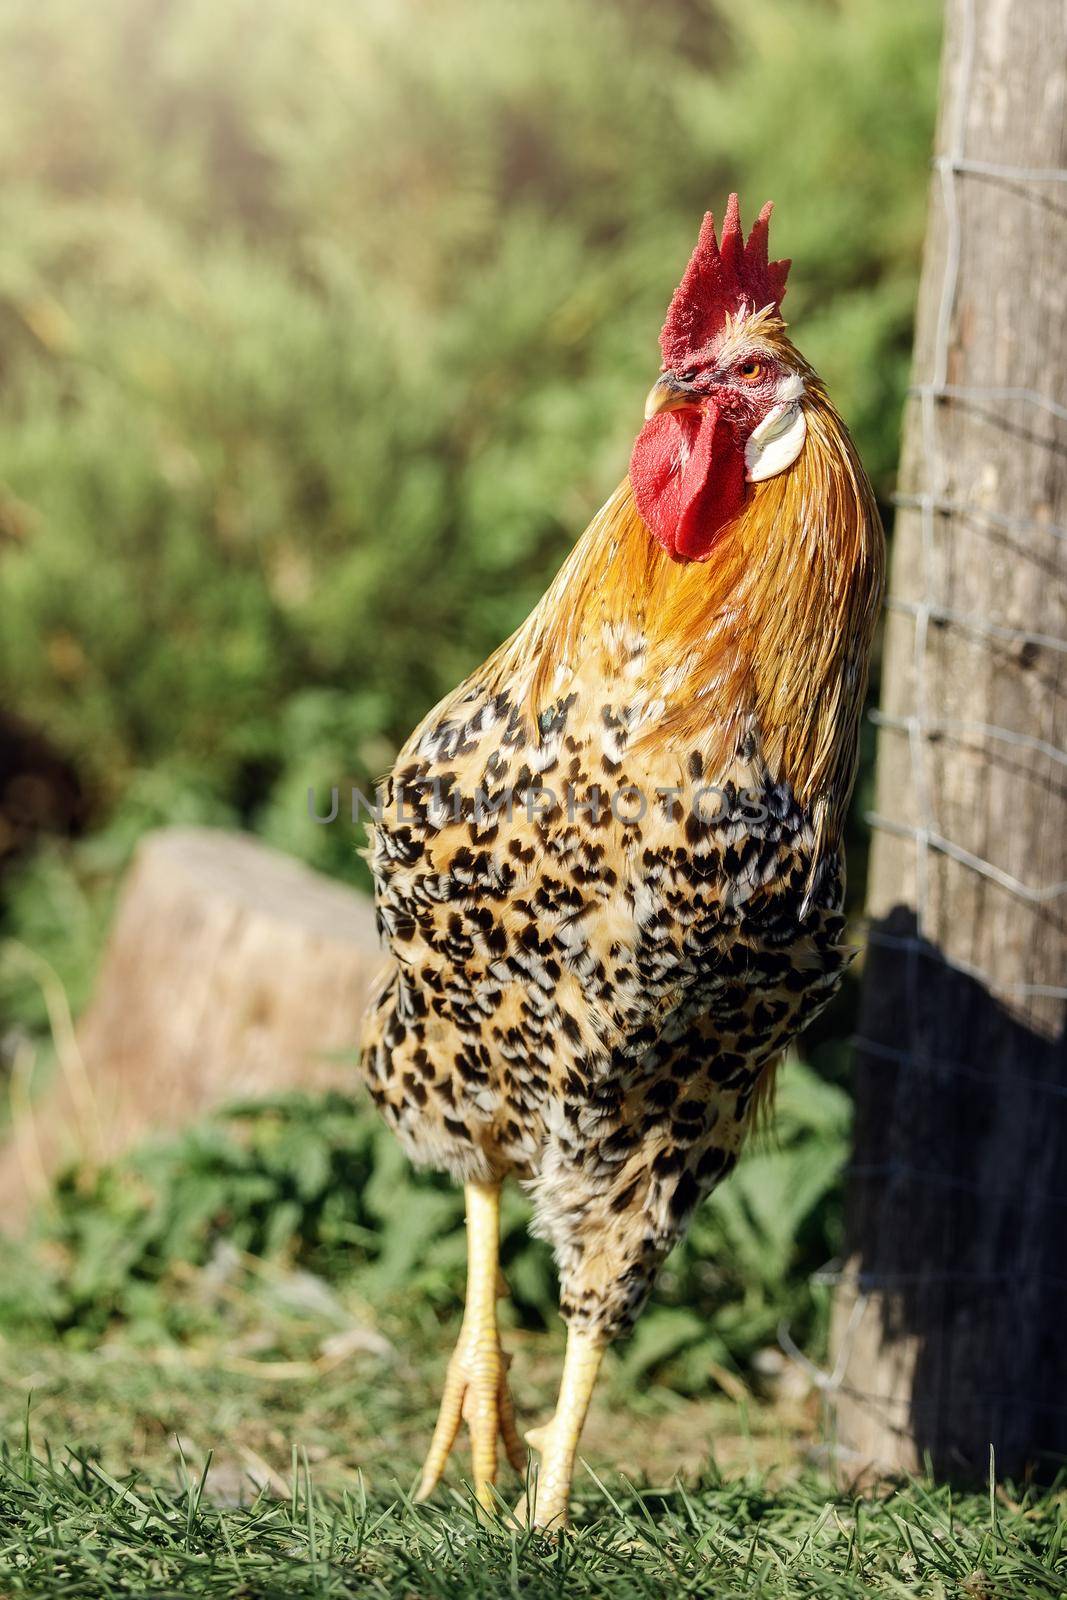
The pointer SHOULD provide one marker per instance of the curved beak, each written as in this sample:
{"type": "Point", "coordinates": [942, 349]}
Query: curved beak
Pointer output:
{"type": "Point", "coordinates": [669, 393]}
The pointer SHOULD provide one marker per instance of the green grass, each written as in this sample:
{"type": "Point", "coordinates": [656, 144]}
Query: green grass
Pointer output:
{"type": "Point", "coordinates": [275, 1457]}
{"type": "Point", "coordinates": [70, 1528]}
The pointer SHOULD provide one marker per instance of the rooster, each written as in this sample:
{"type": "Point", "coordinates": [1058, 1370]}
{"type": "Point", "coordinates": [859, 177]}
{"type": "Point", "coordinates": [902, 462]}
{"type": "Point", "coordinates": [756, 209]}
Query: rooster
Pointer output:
{"type": "Point", "coordinates": [609, 865]}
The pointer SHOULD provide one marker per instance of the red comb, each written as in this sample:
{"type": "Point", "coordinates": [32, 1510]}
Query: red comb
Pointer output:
{"type": "Point", "coordinates": [721, 279]}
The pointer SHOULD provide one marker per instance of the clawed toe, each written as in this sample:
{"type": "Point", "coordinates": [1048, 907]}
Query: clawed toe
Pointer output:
{"type": "Point", "coordinates": [536, 1437]}
{"type": "Point", "coordinates": [476, 1392]}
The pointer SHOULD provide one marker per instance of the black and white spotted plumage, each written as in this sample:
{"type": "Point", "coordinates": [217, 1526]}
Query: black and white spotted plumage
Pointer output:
{"type": "Point", "coordinates": [581, 996]}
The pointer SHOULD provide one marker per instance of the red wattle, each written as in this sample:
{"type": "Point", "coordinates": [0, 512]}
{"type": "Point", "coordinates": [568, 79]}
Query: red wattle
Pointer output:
{"type": "Point", "coordinates": [687, 472]}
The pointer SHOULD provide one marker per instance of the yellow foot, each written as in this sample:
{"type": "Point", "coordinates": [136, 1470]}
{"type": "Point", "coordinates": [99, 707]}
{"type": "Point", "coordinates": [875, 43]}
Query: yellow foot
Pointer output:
{"type": "Point", "coordinates": [557, 1439]}
{"type": "Point", "coordinates": [476, 1388]}
{"type": "Point", "coordinates": [551, 1484]}
{"type": "Point", "coordinates": [537, 1438]}
{"type": "Point", "coordinates": [476, 1392]}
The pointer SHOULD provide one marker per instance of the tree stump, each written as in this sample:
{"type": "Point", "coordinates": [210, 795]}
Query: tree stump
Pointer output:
{"type": "Point", "coordinates": [231, 971]}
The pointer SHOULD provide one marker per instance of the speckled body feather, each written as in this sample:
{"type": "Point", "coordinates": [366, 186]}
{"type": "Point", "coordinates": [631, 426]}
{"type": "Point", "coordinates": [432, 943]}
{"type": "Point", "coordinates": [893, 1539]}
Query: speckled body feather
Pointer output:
{"type": "Point", "coordinates": [589, 988]}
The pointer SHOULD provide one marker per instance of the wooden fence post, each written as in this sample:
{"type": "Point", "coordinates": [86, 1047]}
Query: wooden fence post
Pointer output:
{"type": "Point", "coordinates": [950, 1327]}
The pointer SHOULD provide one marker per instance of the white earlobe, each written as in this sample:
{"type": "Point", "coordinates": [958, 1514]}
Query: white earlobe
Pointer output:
{"type": "Point", "coordinates": [776, 443]}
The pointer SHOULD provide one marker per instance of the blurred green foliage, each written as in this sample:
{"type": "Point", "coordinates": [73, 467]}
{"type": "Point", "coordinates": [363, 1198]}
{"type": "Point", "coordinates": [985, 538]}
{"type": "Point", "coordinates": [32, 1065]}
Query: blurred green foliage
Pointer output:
{"type": "Point", "coordinates": [319, 1183]}
{"type": "Point", "coordinates": [324, 329]}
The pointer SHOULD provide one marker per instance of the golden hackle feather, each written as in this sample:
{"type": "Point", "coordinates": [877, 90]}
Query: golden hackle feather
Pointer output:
{"type": "Point", "coordinates": [772, 631]}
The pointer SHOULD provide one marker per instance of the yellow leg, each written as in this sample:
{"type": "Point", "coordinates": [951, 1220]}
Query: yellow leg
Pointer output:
{"type": "Point", "coordinates": [558, 1438]}
{"type": "Point", "coordinates": [476, 1383]}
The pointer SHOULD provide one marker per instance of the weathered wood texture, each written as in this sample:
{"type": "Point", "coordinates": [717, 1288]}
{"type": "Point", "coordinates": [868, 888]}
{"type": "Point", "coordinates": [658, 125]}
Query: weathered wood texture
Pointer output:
{"type": "Point", "coordinates": [958, 1201]}
{"type": "Point", "coordinates": [231, 971]}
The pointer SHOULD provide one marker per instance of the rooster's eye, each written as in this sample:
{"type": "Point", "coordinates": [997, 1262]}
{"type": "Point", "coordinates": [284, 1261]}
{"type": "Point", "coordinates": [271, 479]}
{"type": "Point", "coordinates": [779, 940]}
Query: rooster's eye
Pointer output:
{"type": "Point", "coordinates": [751, 371]}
